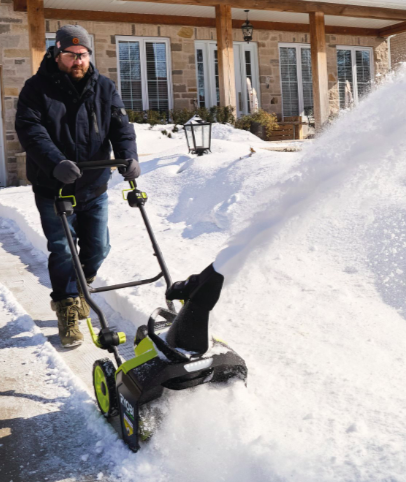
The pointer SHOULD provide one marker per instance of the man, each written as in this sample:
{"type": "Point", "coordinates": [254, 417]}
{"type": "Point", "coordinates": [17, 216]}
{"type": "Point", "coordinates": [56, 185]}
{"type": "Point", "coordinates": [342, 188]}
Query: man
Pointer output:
{"type": "Point", "coordinates": [69, 113]}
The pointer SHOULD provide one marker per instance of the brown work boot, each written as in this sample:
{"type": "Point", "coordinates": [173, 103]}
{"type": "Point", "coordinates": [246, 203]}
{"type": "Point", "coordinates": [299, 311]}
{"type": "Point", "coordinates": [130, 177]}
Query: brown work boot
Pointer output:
{"type": "Point", "coordinates": [84, 308]}
{"type": "Point", "coordinates": [67, 312]}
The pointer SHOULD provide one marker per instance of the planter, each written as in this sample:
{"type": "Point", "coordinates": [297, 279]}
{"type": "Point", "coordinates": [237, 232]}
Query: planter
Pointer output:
{"type": "Point", "coordinates": [258, 130]}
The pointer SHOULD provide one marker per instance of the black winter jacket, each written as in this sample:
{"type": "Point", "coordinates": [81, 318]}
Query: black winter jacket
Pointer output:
{"type": "Point", "coordinates": [54, 122]}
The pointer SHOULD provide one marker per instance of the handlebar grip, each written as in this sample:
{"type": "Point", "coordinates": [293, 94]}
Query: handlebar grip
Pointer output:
{"type": "Point", "coordinates": [102, 164]}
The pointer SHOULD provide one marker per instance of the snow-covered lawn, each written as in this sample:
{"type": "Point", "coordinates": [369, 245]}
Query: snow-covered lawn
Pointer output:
{"type": "Point", "coordinates": [313, 248]}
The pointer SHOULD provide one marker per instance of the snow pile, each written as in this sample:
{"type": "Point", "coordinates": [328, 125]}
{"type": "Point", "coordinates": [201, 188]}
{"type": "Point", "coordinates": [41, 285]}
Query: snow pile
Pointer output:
{"type": "Point", "coordinates": [313, 248]}
{"type": "Point", "coordinates": [151, 140]}
{"type": "Point", "coordinates": [227, 132]}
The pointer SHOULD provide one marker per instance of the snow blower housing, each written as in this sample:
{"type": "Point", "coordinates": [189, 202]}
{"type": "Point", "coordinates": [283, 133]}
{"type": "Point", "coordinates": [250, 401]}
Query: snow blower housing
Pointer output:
{"type": "Point", "coordinates": [173, 351]}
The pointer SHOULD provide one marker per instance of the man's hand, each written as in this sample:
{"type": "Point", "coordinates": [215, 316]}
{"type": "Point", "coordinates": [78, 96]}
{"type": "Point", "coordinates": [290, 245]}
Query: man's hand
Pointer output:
{"type": "Point", "coordinates": [132, 171]}
{"type": "Point", "coordinates": [66, 172]}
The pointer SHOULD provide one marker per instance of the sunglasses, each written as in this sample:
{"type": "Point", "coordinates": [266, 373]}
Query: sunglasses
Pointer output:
{"type": "Point", "coordinates": [67, 54]}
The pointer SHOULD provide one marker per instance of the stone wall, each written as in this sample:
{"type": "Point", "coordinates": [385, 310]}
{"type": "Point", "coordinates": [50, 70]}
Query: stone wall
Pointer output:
{"type": "Point", "coordinates": [268, 53]}
{"type": "Point", "coordinates": [14, 56]}
{"type": "Point", "coordinates": [398, 49]}
{"type": "Point", "coordinates": [16, 69]}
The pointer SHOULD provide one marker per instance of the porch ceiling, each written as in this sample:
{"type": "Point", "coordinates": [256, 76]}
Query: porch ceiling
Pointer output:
{"type": "Point", "coordinates": [237, 14]}
{"type": "Point", "coordinates": [367, 3]}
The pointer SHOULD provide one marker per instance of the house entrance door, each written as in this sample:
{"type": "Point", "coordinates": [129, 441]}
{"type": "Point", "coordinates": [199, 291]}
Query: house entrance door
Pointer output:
{"type": "Point", "coordinates": [246, 75]}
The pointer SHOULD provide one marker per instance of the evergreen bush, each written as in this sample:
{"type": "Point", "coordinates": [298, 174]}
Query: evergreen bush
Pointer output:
{"type": "Point", "coordinates": [152, 117]}
{"type": "Point", "coordinates": [222, 115]}
{"type": "Point", "coordinates": [265, 119]}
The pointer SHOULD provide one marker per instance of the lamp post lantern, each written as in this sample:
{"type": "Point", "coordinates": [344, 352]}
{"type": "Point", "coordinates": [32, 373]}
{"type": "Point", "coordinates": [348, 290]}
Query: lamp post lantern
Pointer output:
{"type": "Point", "coordinates": [247, 29]}
{"type": "Point", "coordinates": [198, 135]}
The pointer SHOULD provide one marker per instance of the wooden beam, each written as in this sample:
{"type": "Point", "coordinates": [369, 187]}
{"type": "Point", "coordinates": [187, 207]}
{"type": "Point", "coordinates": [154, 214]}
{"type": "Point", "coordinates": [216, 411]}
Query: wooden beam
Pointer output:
{"type": "Point", "coordinates": [305, 28]}
{"type": "Point", "coordinates": [225, 56]}
{"type": "Point", "coordinates": [20, 5]}
{"type": "Point", "coordinates": [95, 16]}
{"type": "Point", "coordinates": [392, 30]}
{"type": "Point", "coordinates": [353, 31]}
{"type": "Point", "coordinates": [36, 31]}
{"type": "Point", "coordinates": [319, 69]}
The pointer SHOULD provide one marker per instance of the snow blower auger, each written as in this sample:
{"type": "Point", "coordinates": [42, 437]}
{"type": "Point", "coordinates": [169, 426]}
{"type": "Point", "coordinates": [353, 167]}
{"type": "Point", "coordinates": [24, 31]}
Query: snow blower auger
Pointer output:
{"type": "Point", "coordinates": [173, 351]}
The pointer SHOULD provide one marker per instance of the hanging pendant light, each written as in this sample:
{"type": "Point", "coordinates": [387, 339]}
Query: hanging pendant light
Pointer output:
{"type": "Point", "coordinates": [247, 29]}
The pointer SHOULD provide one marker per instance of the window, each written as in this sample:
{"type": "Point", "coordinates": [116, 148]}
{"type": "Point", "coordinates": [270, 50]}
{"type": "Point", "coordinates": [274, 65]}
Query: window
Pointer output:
{"type": "Point", "coordinates": [355, 74]}
{"type": "Point", "coordinates": [130, 75]}
{"type": "Point", "coordinates": [296, 79]}
{"type": "Point", "coordinates": [216, 77]}
{"type": "Point", "coordinates": [200, 78]}
{"type": "Point", "coordinates": [144, 73]}
{"type": "Point", "coordinates": [50, 42]}
{"type": "Point", "coordinates": [307, 81]}
{"type": "Point", "coordinates": [248, 72]}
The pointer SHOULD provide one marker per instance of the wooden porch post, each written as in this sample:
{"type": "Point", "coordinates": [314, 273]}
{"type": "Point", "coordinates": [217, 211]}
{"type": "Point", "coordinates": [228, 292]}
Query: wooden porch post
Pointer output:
{"type": "Point", "coordinates": [319, 68]}
{"type": "Point", "coordinates": [36, 30]}
{"type": "Point", "coordinates": [225, 55]}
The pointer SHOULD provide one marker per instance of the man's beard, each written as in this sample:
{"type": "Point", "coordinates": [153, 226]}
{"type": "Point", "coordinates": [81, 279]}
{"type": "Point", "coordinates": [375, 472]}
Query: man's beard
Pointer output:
{"type": "Point", "coordinates": [76, 73]}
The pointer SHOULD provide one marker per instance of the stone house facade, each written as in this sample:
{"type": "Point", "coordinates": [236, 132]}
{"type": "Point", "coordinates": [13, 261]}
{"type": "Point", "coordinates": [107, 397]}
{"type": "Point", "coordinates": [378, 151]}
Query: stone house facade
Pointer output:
{"type": "Point", "coordinates": [16, 68]}
{"type": "Point", "coordinates": [398, 48]}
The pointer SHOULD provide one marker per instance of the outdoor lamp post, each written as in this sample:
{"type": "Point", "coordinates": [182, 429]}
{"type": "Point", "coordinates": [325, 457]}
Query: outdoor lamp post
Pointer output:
{"type": "Point", "coordinates": [198, 135]}
{"type": "Point", "coordinates": [247, 29]}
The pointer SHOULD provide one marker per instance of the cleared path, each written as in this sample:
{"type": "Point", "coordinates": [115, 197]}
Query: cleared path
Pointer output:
{"type": "Point", "coordinates": [24, 272]}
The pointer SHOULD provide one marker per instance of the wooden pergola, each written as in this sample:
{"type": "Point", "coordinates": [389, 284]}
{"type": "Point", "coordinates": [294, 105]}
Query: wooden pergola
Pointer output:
{"type": "Point", "coordinates": [223, 22]}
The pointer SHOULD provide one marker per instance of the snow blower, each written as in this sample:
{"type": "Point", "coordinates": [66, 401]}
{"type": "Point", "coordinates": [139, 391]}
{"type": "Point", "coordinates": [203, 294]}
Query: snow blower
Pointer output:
{"type": "Point", "coordinates": [172, 351]}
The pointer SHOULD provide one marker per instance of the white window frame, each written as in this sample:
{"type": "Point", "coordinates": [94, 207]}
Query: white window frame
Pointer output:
{"type": "Point", "coordinates": [208, 47]}
{"type": "Point", "coordinates": [144, 83]}
{"type": "Point", "coordinates": [52, 35]}
{"type": "Point", "coordinates": [353, 49]}
{"type": "Point", "coordinates": [298, 47]}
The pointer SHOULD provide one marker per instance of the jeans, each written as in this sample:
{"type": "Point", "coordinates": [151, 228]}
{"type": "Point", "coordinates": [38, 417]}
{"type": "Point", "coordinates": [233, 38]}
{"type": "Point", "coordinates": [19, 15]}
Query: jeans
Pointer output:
{"type": "Point", "coordinates": [88, 226]}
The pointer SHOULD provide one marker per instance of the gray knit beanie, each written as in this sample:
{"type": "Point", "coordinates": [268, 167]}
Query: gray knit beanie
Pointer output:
{"type": "Point", "coordinates": [70, 35]}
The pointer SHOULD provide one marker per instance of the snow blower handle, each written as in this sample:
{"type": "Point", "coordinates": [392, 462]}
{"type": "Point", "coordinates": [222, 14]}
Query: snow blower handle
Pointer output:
{"type": "Point", "coordinates": [107, 163]}
{"type": "Point", "coordinates": [67, 203]}
{"type": "Point", "coordinates": [103, 164]}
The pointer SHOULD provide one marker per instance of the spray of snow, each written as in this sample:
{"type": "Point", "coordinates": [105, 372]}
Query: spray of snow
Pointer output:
{"type": "Point", "coordinates": [375, 131]}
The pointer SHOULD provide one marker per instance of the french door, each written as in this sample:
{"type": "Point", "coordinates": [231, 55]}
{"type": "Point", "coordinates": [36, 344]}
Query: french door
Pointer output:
{"type": "Point", "coordinates": [296, 79]}
{"type": "Point", "coordinates": [355, 74]}
{"type": "Point", "coordinates": [245, 69]}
